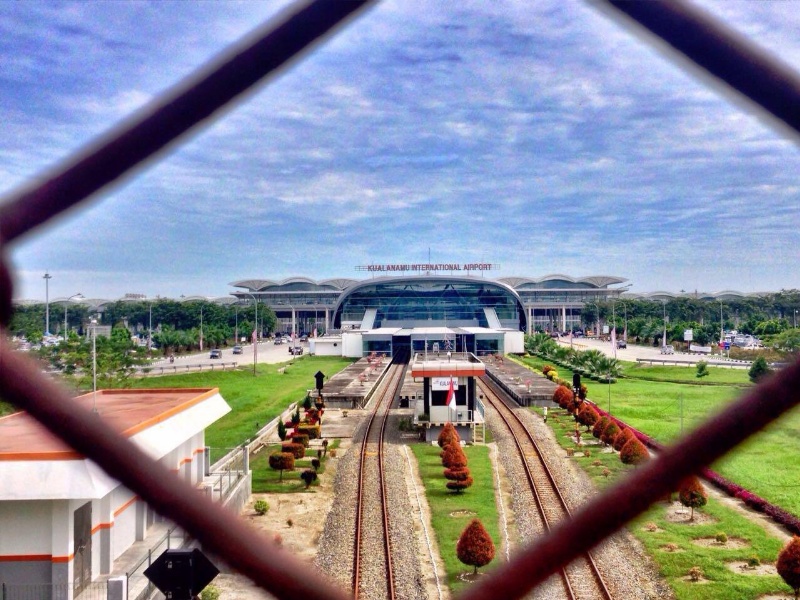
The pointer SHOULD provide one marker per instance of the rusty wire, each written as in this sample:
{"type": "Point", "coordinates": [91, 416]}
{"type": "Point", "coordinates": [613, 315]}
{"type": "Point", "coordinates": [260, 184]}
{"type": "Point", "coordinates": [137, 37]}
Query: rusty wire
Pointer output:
{"type": "Point", "coordinates": [704, 40]}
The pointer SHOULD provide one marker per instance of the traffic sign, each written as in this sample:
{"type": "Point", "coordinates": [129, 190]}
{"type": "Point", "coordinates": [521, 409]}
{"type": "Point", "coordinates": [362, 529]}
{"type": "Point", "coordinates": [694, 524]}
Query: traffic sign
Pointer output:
{"type": "Point", "coordinates": [181, 574]}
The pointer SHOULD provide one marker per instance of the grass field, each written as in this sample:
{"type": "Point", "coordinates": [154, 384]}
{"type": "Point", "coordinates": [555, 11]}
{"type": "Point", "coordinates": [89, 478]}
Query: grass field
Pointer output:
{"type": "Point", "coordinates": [254, 400]}
{"type": "Point", "coordinates": [768, 464]}
{"type": "Point", "coordinates": [451, 513]}
{"type": "Point", "coordinates": [268, 480]}
{"type": "Point", "coordinates": [674, 565]}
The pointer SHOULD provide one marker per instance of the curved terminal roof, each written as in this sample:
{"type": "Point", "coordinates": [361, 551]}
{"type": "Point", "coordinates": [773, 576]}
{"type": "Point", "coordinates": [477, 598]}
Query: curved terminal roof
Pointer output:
{"type": "Point", "coordinates": [593, 281]}
{"type": "Point", "coordinates": [422, 284]}
{"type": "Point", "coordinates": [261, 285]}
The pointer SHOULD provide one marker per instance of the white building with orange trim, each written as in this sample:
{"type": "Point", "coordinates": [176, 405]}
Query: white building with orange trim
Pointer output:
{"type": "Point", "coordinates": [63, 520]}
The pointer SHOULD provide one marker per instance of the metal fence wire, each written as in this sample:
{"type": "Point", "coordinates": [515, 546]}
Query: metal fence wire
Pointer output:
{"type": "Point", "coordinates": [721, 52]}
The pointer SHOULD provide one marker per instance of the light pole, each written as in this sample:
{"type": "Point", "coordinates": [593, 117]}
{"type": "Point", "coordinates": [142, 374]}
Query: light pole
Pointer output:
{"type": "Point", "coordinates": [78, 295]}
{"type": "Point", "coordinates": [255, 334]}
{"type": "Point", "coordinates": [94, 365]}
{"type": "Point", "coordinates": [795, 318]}
{"type": "Point", "coordinates": [47, 277]}
{"type": "Point", "coordinates": [201, 328]}
{"type": "Point", "coordinates": [664, 341]}
{"type": "Point", "coordinates": [721, 324]}
{"type": "Point", "coordinates": [236, 329]}
{"type": "Point", "coordinates": [150, 329]}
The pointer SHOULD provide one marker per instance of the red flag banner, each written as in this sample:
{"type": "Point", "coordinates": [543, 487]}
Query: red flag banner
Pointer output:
{"type": "Point", "coordinates": [451, 396]}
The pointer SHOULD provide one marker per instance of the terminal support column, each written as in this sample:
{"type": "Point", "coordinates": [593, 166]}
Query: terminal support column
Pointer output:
{"type": "Point", "coordinates": [563, 318]}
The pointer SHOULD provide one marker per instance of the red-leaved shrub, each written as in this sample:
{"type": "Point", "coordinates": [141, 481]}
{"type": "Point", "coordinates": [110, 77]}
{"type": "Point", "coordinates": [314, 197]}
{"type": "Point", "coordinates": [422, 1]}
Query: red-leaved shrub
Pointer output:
{"type": "Point", "coordinates": [633, 453]}
{"type": "Point", "coordinates": [623, 437]}
{"type": "Point", "coordinates": [475, 546]}
{"type": "Point", "coordinates": [609, 433]}
{"type": "Point", "coordinates": [598, 428]}
{"type": "Point", "coordinates": [788, 565]}
{"type": "Point", "coordinates": [296, 450]}
{"type": "Point", "coordinates": [692, 494]}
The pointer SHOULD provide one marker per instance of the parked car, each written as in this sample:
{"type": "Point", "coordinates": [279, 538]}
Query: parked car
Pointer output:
{"type": "Point", "coordinates": [296, 350]}
{"type": "Point", "coordinates": [238, 349]}
{"type": "Point", "coordinates": [304, 338]}
{"type": "Point", "coordinates": [278, 341]}
{"type": "Point", "coordinates": [215, 353]}
{"type": "Point", "coordinates": [668, 349]}
{"type": "Point", "coordinates": [622, 344]}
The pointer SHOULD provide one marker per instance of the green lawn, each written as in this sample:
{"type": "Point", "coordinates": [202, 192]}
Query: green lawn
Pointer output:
{"type": "Point", "coordinates": [267, 480]}
{"type": "Point", "coordinates": [451, 513]}
{"type": "Point", "coordinates": [254, 400]}
{"type": "Point", "coordinates": [767, 464]}
{"type": "Point", "coordinates": [673, 566]}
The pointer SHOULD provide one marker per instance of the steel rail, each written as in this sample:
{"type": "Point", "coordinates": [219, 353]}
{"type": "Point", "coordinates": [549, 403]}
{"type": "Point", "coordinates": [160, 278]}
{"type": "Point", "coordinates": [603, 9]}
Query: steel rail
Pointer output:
{"type": "Point", "coordinates": [172, 115]}
{"type": "Point", "coordinates": [496, 398]}
{"type": "Point", "coordinates": [386, 396]}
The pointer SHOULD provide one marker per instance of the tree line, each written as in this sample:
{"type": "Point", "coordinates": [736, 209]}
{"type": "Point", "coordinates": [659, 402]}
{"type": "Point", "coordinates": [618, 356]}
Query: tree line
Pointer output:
{"type": "Point", "coordinates": [176, 325]}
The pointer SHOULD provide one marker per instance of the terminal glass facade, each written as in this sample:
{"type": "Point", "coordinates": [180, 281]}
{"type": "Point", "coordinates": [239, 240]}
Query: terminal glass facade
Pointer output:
{"type": "Point", "coordinates": [417, 302]}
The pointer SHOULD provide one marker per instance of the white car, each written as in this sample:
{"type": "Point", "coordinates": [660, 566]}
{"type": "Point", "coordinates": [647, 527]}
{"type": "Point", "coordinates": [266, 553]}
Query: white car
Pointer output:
{"type": "Point", "coordinates": [668, 349]}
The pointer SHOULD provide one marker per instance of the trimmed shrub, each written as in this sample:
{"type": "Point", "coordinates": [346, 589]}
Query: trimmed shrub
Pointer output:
{"type": "Point", "coordinates": [281, 461]}
{"type": "Point", "coordinates": [296, 450]}
{"type": "Point", "coordinates": [453, 457]}
{"type": "Point", "coordinates": [475, 546]}
{"type": "Point", "coordinates": [546, 369]}
{"type": "Point", "coordinates": [261, 507]}
{"type": "Point", "coordinates": [314, 432]}
{"type": "Point", "coordinates": [721, 538]}
{"type": "Point", "coordinates": [315, 463]}
{"type": "Point", "coordinates": [308, 476]}
{"type": "Point", "coordinates": [448, 435]}
{"type": "Point", "coordinates": [210, 593]}
{"type": "Point", "coordinates": [759, 370]}
{"type": "Point", "coordinates": [788, 565]}
{"type": "Point", "coordinates": [623, 438]}
{"type": "Point", "coordinates": [281, 430]}
{"type": "Point", "coordinates": [598, 428]}
{"type": "Point", "coordinates": [692, 494]}
{"type": "Point", "coordinates": [695, 574]}
{"type": "Point", "coordinates": [562, 396]}
{"type": "Point", "coordinates": [458, 479]}
{"type": "Point", "coordinates": [300, 438]}
{"type": "Point", "coordinates": [609, 433]}
{"type": "Point", "coordinates": [588, 416]}
{"type": "Point", "coordinates": [633, 453]}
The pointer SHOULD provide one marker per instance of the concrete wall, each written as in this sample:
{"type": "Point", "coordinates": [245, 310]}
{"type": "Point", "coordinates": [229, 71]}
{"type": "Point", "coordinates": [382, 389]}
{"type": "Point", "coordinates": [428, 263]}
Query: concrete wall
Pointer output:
{"type": "Point", "coordinates": [352, 344]}
{"type": "Point", "coordinates": [514, 342]}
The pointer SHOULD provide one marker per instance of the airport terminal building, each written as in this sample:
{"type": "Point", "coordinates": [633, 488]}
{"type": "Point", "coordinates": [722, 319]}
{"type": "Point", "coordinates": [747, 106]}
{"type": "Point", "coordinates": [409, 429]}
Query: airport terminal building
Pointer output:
{"type": "Point", "coordinates": [439, 307]}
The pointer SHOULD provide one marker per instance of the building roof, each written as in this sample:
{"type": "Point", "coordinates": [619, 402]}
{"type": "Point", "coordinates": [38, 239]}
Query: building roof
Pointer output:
{"type": "Point", "coordinates": [35, 464]}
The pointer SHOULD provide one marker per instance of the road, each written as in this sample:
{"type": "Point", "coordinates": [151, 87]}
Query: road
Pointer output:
{"type": "Point", "coordinates": [268, 352]}
{"type": "Point", "coordinates": [634, 352]}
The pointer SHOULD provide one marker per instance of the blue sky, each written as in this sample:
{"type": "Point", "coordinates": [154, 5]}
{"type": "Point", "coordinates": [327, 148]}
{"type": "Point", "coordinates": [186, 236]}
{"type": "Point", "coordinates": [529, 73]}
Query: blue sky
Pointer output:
{"type": "Point", "coordinates": [543, 137]}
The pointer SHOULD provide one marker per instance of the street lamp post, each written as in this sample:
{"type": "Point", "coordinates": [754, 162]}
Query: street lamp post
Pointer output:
{"type": "Point", "coordinates": [236, 329]}
{"type": "Point", "coordinates": [255, 334]}
{"type": "Point", "coordinates": [78, 295]}
{"type": "Point", "coordinates": [721, 324]}
{"type": "Point", "coordinates": [795, 318]}
{"type": "Point", "coordinates": [94, 365]}
{"type": "Point", "coordinates": [664, 340]}
{"type": "Point", "coordinates": [47, 277]}
{"type": "Point", "coordinates": [150, 329]}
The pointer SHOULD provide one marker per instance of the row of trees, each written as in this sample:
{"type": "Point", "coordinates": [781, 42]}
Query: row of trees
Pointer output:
{"type": "Point", "coordinates": [763, 316]}
{"type": "Point", "coordinates": [591, 363]}
{"type": "Point", "coordinates": [176, 325]}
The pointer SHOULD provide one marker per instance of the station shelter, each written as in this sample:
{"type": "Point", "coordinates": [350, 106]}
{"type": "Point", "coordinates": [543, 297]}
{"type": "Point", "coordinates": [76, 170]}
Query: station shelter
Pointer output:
{"type": "Point", "coordinates": [63, 520]}
{"type": "Point", "coordinates": [439, 371]}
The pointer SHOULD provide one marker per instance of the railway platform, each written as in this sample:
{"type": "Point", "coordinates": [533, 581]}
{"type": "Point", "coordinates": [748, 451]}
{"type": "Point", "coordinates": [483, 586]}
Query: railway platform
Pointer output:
{"type": "Point", "coordinates": [523, 385]}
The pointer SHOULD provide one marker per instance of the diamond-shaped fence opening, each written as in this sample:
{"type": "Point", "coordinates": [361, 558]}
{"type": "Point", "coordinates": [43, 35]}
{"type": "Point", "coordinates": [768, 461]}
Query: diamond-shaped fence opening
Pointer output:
{"type": "Point", "coordinates": [711, 45]}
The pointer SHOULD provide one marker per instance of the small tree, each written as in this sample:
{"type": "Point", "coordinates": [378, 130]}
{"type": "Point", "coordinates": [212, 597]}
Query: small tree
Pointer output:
{"type": "Point", "coordinates": [562, 396]}
{"type": "Point", "coordinates": [702, 369]}
{"type": "Point", "coordinates": [588, 416]}
{"type": "Point", "coordinates": [308, 476]}
{"type": "Point", "coordinates": [324, 447]}
{"type": "Point", "coordinates": [692, 494]}
{"type": "Point", "coordinates": [281, 430]}
{"type": "Point", "coordinates": [296, 417]}
{"type": "Point", "coordinates": [448, 435]}
{"type": "Point", "coordinates": [475, 546]}
{"type": "Point", "coordinates": [307, 403]}
{"type": "Point", "coordinates": [281, 461]}
{"type": "Point", "coordinates": [788, 565]}
{"type": "Point", "coordinates": [633, 453]}
{"type": "Point", "coordinates": [609, 433]}
{"type": "Point", "coordinates": [624, 436]}
{"type": "Point", "coordinates": [296, 450]}
{"type": "Point", "coordinates": [458, 479]}
{"type": "Point", "coordinates": [453, 457]}
{"type": "Point", "coordinates": [598, 428]}
{"type": "Point", "coordinates": [759, 370]}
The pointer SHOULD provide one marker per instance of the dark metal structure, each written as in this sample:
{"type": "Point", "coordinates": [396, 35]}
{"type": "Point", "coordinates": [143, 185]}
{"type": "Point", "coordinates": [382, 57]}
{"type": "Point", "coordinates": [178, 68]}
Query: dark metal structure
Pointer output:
{"type": "Point", "coordinates": [721, 52]}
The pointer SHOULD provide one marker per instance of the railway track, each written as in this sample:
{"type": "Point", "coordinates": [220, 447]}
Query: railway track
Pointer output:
{"type": "Point", "coordinates": [370, 566]}
{"type": "Point", "coordinates": [581, 579]}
